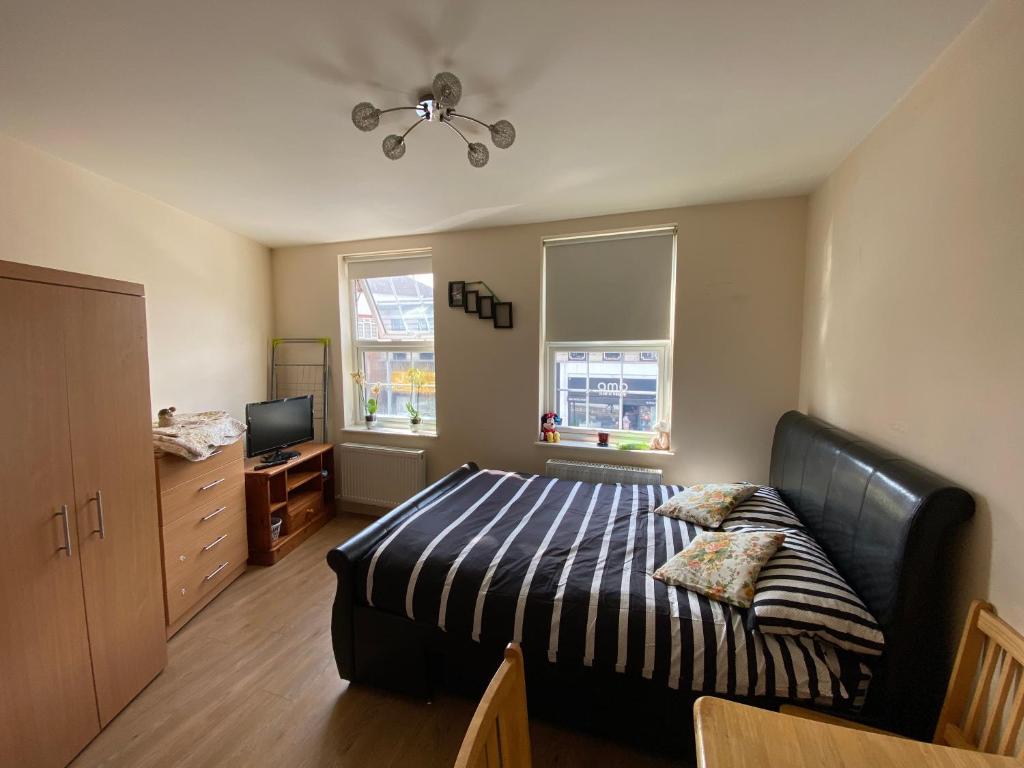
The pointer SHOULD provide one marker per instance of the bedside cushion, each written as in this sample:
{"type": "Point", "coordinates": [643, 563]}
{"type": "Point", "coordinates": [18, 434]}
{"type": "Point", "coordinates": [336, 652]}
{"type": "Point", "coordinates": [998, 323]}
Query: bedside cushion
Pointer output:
{"type": "Point", "coordinates": [706, 505]}
{"type": "Point", "coordinates": [723, 566]}
{"type": "Point", "coordinates": [800, 592]}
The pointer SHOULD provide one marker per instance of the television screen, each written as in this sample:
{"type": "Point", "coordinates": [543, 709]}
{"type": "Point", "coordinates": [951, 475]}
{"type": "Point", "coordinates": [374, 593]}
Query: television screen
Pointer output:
{"type": "Point", "coordinates": [277, 424]}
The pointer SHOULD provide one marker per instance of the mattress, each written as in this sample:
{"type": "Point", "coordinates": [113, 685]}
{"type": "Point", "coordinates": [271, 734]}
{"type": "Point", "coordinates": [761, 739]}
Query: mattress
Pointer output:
{"type": "Point", "coordinates": [565, 568]}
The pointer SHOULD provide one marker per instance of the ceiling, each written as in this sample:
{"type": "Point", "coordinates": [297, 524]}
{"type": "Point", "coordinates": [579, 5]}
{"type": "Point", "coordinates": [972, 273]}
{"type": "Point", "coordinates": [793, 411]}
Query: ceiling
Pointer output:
{"type": "Point", "coordinates": [238, 110]}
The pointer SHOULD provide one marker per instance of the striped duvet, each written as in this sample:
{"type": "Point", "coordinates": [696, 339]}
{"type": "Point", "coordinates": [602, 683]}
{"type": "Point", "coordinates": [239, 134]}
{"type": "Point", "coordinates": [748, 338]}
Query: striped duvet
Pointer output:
{"type": "Point", "coordinates": [565, 568]}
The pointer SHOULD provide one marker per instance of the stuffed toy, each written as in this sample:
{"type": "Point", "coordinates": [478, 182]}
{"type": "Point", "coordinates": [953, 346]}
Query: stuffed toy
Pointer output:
{"type": "Point", "coordinates": [165, 418]}
{"type": "Point", "coordinates": [661, 441]}
{"type": "Point", "coordinates": [548, 431]}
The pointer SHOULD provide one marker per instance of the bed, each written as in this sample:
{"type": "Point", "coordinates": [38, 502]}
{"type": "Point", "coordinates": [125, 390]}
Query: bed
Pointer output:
{"type": "Point", "coordinates": [430, 593]}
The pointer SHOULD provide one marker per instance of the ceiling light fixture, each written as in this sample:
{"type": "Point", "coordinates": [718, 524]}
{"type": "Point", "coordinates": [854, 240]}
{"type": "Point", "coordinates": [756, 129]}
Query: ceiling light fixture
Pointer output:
{"type": "Point", "coordinates": [437, 106]}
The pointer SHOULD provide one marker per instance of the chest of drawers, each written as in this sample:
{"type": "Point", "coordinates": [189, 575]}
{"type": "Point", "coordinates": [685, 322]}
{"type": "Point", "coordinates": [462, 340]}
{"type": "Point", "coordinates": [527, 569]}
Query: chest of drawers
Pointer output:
{"type": "Point", "coordinates": [202, 529]}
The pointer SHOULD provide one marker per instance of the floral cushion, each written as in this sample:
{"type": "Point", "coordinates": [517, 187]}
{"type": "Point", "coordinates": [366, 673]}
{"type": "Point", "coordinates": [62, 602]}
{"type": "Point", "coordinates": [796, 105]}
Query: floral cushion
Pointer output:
{"type": "Point", "coordinates": [706, 505]}
{"type": "Point", "coordinates": [723, 566]}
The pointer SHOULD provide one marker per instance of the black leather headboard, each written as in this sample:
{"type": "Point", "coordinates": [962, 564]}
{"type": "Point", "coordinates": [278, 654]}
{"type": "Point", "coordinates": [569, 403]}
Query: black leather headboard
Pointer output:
{"type": "Point", "coordinates": [888, 525]}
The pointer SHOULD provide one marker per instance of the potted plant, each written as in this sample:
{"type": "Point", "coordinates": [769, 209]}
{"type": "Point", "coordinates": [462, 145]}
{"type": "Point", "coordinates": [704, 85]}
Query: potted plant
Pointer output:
{"type": "Point", "coordinates": [415, 378]}
{"type": "Point", "coordinates": [371, 406]}
{"type": "Point", "coordinates": [414, 417]}
{"type": "Point", "coordinates": [368, 406]}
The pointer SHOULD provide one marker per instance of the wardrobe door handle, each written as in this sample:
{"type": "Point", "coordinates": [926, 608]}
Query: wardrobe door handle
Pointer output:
{"type": "Point", "coordinates": [102, 530]}
{"type": "Point", "coordinates": [215, 483]}
{"type": "Point", "coordinates": [216, 570]}
{"type": "Point", "coordinates": [67, 530]}
{"type": "Point", "coordinates": [215, 542]}
{"type": "Point", "coordinates": [212, 514]}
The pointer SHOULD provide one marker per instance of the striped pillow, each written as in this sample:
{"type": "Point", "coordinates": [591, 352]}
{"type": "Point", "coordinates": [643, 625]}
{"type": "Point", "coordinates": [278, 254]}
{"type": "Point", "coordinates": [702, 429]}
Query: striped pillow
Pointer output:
{"type": "Point", "coordinates": [800, 592]}
{"type": "Point", "coordinates": [764, 509]}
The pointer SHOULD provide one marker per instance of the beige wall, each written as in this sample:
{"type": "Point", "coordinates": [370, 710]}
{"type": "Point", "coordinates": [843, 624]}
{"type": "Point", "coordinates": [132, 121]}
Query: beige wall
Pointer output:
{"type": "Point", "coordinates": [914, 313]}
{"type": "Point", "coordinates": [738, 325]}
{"type": "Point", "coordinates": [207, 290]}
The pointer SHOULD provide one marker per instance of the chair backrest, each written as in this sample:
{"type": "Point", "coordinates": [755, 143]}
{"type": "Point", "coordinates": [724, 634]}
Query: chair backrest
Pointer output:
{"type": "Point", "coordinates": [984, 707]}
{"type": "Point", "coordinates": [499, 733]}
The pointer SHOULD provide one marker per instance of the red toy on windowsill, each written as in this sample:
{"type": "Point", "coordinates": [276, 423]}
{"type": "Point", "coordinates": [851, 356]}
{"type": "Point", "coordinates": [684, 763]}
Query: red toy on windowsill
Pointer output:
{"type": "Point", "coordinates": [548, 432]}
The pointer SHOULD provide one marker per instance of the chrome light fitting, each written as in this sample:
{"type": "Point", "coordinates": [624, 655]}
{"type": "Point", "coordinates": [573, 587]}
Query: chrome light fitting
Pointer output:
{"type": "Point", "coordinates": [437, 106]}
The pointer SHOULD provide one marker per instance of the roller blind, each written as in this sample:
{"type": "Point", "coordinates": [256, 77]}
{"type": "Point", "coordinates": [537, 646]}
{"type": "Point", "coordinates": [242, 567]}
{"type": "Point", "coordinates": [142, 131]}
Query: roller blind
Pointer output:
{"type": "Point", "coordinates": [362, 267]}
{"type": "Point", "coordinates": [616, 288]}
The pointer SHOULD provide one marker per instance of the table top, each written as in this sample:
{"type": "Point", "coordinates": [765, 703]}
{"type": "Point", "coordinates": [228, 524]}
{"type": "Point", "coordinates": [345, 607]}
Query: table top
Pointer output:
{"type": "Point", "coordinates": [305, 451]}
{"type": "Point", "coordinates": [732, 735]}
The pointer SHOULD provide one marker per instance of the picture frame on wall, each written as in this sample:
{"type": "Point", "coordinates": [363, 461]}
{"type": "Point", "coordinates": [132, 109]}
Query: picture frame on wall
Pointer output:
{"type": "Point", "coordinates": [472, 302]}
{"type": "Point", "coordinates": [485, 307]}
{"type": "Point", "coordinates": [456, 293]}
{"type": "Point", "coordinates": [502, 314]}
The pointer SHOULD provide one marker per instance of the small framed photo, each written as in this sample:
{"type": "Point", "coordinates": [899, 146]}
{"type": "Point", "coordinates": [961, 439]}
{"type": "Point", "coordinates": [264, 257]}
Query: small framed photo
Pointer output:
{"type": "Point", "coordinates": [502, 314]}
{"type": "Point", "coordinates": [456, 293]}
{"type": "Point", "coordinates": [485, 306]}
{"type": "Point", "coordinates": [472, 302]}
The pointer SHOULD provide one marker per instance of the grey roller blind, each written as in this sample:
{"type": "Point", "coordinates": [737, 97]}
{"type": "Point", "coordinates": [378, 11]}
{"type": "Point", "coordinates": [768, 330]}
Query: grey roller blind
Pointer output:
{"type": "Point", "coordinates": [609, 289]}
{"type": "Point", "coordinates": [360, 268]}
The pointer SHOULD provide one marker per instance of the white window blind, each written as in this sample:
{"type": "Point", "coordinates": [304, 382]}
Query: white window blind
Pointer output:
{"type": "Point", "coordinates": [360, 268]}
{"type": "Point", "coordinates": [609, 288]}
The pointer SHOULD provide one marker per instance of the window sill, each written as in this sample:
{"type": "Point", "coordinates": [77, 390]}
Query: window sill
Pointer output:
{"type": "Point", "coordinates": [429, 434]}
{"type": "Point", "coordinates": [580, 445]}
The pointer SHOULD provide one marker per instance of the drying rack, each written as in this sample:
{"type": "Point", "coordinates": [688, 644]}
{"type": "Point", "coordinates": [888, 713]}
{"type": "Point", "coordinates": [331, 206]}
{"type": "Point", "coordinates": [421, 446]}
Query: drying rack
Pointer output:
{"type": "Point", "coordinates": [302, 367]}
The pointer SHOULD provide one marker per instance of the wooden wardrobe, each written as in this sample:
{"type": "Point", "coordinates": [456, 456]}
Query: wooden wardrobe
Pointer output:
{"type": "Point", "coordinates": [81, 597]}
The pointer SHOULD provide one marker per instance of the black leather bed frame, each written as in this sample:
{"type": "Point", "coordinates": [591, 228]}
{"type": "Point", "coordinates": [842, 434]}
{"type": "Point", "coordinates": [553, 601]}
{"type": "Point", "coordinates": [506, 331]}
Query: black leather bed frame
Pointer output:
{"type": "Point", "coordinates": [887, 523]}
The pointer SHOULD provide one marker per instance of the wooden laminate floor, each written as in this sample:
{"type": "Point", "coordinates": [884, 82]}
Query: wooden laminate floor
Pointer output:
{"type": "Point", "coordinates": [251, 682]}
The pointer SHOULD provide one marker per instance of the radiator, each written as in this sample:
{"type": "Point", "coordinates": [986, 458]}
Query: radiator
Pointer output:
{"type": "Point", "coordinates": [379, 475]}
{"type": "Point", "coordinates": [601, 473]}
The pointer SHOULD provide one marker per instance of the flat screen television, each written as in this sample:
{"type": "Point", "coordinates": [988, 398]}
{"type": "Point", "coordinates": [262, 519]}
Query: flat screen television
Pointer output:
{"type": "Point", "coordinates": [278, 424]}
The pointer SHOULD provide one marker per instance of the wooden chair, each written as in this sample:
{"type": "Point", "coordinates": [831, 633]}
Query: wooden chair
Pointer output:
{"type": "Point", "coordinates": [499, 733]}
{"type": "Point", "coordinates": [984, 706]}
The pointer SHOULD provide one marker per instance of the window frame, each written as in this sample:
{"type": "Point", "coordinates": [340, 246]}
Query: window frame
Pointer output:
{"type": "Point", "coordinates": [589, 434]}
{"type": "Point", "coordinates": [358, 346]}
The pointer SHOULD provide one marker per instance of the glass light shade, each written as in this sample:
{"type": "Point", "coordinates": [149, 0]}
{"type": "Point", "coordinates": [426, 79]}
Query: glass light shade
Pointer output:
{"type": "Point", "coordinates": [394, 146]}
{"type": "Point", "coordinates": [365, 116]}
{"type": "Point", "coordinates": [503, 134]}
{"type": "Point", "coordinates": [447, 89]}
{"type": "Point", "coordinates": [478, 155]}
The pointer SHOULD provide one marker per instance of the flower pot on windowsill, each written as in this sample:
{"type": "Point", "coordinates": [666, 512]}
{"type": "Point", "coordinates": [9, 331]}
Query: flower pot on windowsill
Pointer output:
{"type": "Point", "coordinates": [414, 425]}
{"type": "Point", "coordinates": [371, 420]}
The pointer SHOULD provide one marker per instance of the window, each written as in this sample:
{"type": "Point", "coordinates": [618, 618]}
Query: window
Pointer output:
{"type": "Point", "coordinates": [608, 305]}
{"type": "Point", "coordinates": [607, 389]}
{"type": "Point", "coordinates": [392, 306]}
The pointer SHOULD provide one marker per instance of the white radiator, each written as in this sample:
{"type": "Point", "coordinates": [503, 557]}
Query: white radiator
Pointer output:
{"type": "Point", "coordinates": [601, 473]}
{"type": "Point", "coordinates": [379, 475]}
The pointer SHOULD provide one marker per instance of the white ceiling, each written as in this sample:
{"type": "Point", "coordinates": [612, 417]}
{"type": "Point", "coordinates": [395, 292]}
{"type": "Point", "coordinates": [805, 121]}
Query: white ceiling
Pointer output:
{"type": "Point", "coordinates": [238, 110]}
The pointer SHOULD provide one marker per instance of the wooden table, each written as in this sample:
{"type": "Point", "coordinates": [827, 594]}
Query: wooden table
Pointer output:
{"type": "Point", "coordinates": [731, 735]}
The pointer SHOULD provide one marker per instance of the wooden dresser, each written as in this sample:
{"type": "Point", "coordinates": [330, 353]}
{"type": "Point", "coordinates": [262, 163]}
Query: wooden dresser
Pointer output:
{"type": "Point", "coordinates": [202, 529]}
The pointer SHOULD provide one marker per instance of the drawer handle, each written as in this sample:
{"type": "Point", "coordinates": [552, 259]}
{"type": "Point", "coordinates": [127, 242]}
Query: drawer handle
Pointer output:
{"type": "Point", "coordinates": [214, 484]}
{"type": "Point", "coordinates": [216, 570]}
{"type": "Point", "coordinates": [213, 514]}
{"type": "Point", "coordinates": [215, 542]}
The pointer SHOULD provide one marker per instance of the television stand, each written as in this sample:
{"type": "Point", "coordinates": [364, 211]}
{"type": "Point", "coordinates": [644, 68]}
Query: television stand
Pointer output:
{"type": "Point", "coordinates": [279, 457]}
{"type": "Point", "coordinates": [301, 494]}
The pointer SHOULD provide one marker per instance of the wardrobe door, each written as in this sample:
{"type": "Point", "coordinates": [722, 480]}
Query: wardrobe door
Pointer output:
{"type": "Point", "coordinates": [47, 704]}
{"type": "Point", "coordinates": [115, 493]}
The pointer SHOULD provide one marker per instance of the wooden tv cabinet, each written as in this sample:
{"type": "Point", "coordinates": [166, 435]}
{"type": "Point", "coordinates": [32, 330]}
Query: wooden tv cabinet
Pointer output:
{"type": "Point", "coordinates": [300, 492]}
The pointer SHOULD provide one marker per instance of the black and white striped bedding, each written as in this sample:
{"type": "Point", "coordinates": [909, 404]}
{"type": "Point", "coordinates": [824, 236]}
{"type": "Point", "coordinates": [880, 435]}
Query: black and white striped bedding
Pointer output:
{"type": "Point", "coordinates": [565, 567]}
